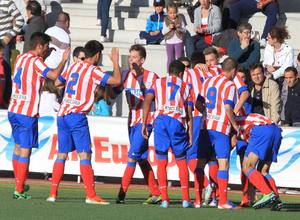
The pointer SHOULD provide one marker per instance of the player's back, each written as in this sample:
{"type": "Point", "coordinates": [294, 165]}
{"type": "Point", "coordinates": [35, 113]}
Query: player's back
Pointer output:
{"type": "Point", "coordinates": [81, 80]}
{"type": "Point", "coordinates": [29, 74]}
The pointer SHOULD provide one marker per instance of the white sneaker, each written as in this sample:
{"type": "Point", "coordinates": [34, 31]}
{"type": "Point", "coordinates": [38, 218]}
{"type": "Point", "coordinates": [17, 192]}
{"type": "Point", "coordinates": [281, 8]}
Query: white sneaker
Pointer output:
{"type": "Point", "coordinates": [263, 42]}
{"type": "Point", "coordinates": [51, 199]}
{"type": "Point", "coordinates": [103, 39]}
{"type": "Point", "coordinates": [98, 22]}
{"type": "Point", "coordinates": [140, 41]}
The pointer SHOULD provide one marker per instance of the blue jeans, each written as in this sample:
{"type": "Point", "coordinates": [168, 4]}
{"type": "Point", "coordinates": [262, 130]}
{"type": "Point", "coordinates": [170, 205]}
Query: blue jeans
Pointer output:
{"type": "Point", "coordinates": [195, 43]}
{"type": "Point", "coordinates": [248, 7]}
{"type": "Point", "coordinates": [103, 14]}
{"type": "Point", "coordinates": [151, 39]}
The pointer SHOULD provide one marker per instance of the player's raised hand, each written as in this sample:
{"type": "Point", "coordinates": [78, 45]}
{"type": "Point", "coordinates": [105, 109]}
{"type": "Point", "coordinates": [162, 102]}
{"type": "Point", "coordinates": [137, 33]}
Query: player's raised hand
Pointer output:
{"type": "Point", "coordinates": [66, 54]}
{"type": "Point", "coordinates": [114, 55]}
{"type": "Point", "coordinates": [145, 131]}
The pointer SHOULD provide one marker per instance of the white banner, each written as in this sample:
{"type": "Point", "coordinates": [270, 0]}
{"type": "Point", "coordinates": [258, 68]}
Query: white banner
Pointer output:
{"type": "Point", "coordinates": [110, 145]}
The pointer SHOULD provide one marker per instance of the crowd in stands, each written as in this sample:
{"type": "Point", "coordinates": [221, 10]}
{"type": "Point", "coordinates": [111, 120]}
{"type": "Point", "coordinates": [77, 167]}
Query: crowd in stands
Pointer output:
{"type": "Point", "coordinates": [272, 79]}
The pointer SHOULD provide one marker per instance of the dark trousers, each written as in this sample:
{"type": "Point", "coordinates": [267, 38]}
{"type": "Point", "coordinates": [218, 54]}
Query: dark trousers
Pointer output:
{"type": "Point", "coordinates": [195, 43]}
{"type": "Point", "coordinates": [248, 7]}
{"type": "Point", "coordinates": [151, 39]}
{"type": "Point", "coordinates": [7, 51]}
{"type": "Point", "coordinates": [103, 14]}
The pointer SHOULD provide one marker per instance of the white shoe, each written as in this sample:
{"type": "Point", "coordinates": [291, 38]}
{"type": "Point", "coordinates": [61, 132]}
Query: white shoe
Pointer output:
{"type": "Point", "coordinates": [103, 39]}
{"type": "Point", "coordinates": [140, 41]}
{"type": "Point", "coordinates": [51, 199]}
{"type": "Point", "coordinates": [263, 42]}
{"type": "Point", "coordinates": [98, 22]}
{"type": "Point", "coordinates": [207, 194]}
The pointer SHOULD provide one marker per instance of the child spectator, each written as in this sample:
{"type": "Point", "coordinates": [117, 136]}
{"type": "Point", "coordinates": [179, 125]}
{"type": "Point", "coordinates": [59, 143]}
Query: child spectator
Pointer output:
{"type": "Point", "coordinates": [49, 99]}
{"type": "Point", "coordinates": [102, 105]}
{"type": "Point", "coordinates": [153, 34]}
{"type": "Point", "coordinates": [173, 31]}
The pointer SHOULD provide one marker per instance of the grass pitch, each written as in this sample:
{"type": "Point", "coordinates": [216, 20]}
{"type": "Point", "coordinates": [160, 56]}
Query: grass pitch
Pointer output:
{"type": "Point", "coordinates": [70, 205]}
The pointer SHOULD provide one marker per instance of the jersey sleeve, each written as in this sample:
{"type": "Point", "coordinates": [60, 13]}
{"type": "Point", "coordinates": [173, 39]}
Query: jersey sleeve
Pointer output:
{"type": "Point", "coordinates": [62, 78]}
{"type": "Point", "coordinates": [152, 88]}
{"type": "Point", "coordinates": [240, 85]}
{"type": "Point", "coordinates": [230, 96]}
{"type": "Point", "coordinates": [100, 77]}
{"type": "Point", "coordinates": [40, 67]}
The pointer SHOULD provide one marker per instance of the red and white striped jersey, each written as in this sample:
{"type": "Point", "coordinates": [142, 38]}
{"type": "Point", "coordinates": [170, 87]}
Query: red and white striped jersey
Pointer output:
{"type": "Point", "coordinates": [246, 123]}
{"type": "Point", "coordinates": [29, 74]}
{"type": "Point", "coordinates": [81, 80]}
{"type": "Point", "coordinates": [172, 95]}
{"type": "Point", "coordinates": [217, 92]}
{"type": "Point", "coordinates": [135, 90]}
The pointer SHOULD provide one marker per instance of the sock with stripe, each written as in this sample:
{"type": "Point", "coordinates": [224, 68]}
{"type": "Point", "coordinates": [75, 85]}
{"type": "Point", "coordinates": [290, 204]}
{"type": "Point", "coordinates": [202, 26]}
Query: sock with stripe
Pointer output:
{"type": "Point", "coordinates": [127, 176]}
{"type": "Point", "coordinates": [223, 183]}
{"type": "Point", "coordinates": [245, 185]}
{"type": "Point", "coordinates": [15, 161]}
{"type": "Point", "coordinates": [149, 177]}
{"type": "Point", "coordinates": [213, 171]}
{"type": "Point", "coordinates": [57, 173]}
{"type": "Point", "coordinates": [271, 183]}
{"type": "Point", "coordinates": [257, 179]}
{"type": "Point", "coordinates": [162, 179]}
{"type": "Point", "coordinates": [198, 179]}
{"type": "Point", "coordinates": [22, 172]}
{"type": "Point", "coordinates": [184, 179]}
{"type": "Point", "coordinates": [87, 175]}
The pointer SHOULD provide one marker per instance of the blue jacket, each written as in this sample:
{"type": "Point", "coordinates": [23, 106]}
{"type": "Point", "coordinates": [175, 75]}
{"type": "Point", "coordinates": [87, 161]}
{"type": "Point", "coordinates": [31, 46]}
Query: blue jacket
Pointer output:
{"type": "Point", "coordinates": [155, 21]}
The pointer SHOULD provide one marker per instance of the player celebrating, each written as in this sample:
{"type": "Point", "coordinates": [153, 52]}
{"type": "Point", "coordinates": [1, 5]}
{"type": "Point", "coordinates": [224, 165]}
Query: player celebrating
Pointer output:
{"type": "Point", "coordinates": [135, 83]}
{"type": "Point", "coordinates": [264, 139]}
{"type": "Point", "coordinates": [219, 95]}
{"type": "Point", "coordinates": [81, 80]}
{"type": "Point", "coordinates": [29, 75]}
{"type": "Point", "coordinates": [172, 96]}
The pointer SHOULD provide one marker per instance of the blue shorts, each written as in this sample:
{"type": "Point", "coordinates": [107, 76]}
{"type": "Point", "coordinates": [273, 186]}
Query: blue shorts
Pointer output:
{"type": "Point", "coordinates": [241, 147]}
{"type": "Point", "coordinates": [24, 130]}
{"type": "Point", "coordinates": [220, 143]}
{"type": "Point", "coordinates": [169, 132]}
{"type": "Point", "coordinates": [261, 142]}
{"type": "Point", "coordinates": [201, 147]}
{"type": "Point", "coordinates": [73, 133]}
{"type": "Point", "coordinates": [276, 144]}
{"type": "Point", "coordinates": [138, 144]}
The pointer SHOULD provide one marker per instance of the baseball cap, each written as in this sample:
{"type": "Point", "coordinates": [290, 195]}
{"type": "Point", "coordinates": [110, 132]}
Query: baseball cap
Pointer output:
{"type": "Point", "coordinates": [159, 3]}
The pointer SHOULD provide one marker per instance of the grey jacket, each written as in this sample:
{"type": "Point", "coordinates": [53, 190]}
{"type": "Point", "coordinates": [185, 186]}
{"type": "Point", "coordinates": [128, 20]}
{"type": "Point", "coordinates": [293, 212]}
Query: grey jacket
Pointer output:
{"type": "Point", "coordinates": [214, 19]}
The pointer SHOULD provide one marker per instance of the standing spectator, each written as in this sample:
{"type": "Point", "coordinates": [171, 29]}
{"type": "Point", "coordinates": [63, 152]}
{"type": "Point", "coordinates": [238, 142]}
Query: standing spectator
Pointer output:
{"type": "Point", "coordinates": [5, 80]}
{"type": "Point", "coordinates": [11, 23]}
{"type": "Point", "coordinates": [35, 23]}
{"type": "Point", "coordinates": [265, 94]}
{"type": "Point", "coordinates": [244, 49]}
{"type": "Point", "coordinates": [292, 104]}
{"type": "Point", "coordinates": [78, 54]}
{"type": "Point", "coordinates": [249, 7]}
{"type": "Point", "coordinates": [52, 16]}
{"type": "Point", "coordinates": [21, 5]}
{"type": "Point", "coordinates": [207, 22]}
{"type": "Point", "coordinates": [60, 39]}
{"type": "Point", "coordinates": [49, 104]}
{"type": "Point", "coordinates": [153, 33]}
{"type": "Point", "coordinates": [173, 30]}
{"type": "Point", "coordinates": [278, 55]}
{"type": "Point", "coordinates": [103, 15]}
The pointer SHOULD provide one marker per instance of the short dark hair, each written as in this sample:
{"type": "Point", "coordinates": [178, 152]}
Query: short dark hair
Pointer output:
{"type": "Point", "coordinates": [172, 5]}
{"type": "Point", "coordinates": [196, 58]}
{"type": "Point", "coordinates": [291, 69]}
{"type": "Point", "coordinates": [34, 7]}
{"type": "Point", "coordinates": [229, 64]}
{"type": "Point", "coordinates": [184, 59]}
{"type": "Point", "coordinates": [244, 26]}
{"type": "Point", "coordinates": [176, 67]}
{"type": "Point", "coordinates": [256, 66]}
{"type": "Point", "coordinates": [38, 38]}
{"type": "Point", "coordinates": [210, 50]}
{"type": "Point", "coordinates": [63, 17]}
{"type": "Point", "coordinates": [141, 49]}
{"type": "Point", "coordinates": [77, 51]}
{"type": "Point", "coordinates": [92, 47]}
{"type": "Point", "coordinates": [242, 70]}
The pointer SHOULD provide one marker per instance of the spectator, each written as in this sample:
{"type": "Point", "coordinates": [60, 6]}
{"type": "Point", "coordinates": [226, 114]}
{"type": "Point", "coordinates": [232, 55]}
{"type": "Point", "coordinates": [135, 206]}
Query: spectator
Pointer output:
{"type": "Point", "coordinates": [35, 23]}
{"type": "Point", "coordinates": [11, 23]}
{"type": "Point", "coordinates": [21, 5]}
{"type": "Point", "coordinates": [292, 104]}
{"type": "Point", "coordinates": [249, 7]}
{"type": "Point", "coordinates": [52, 16]}
{"type": "Point", "coordinates": [244, 49]}
{"type": "Point", "coordinates": [242, 73]}
{"type": "Point", "coordinates": [278, 55]}
{"type": "Point", "coordinates": [297, 64]}
{"type": "Point", "coordinates": [102, 105]}
{"type": "Point", "coordinates": [207, 22]}
{"type": "Point", "coordinates": [173, 31]}
{"type": "Point", "coordinates": [60, 40]}
{"type": "Point", "coordinates": [153, 33]}
{"type": "Point", "coordinates": [265, 94]}
{"type": "Point", "coordinates": [103, 16]}
{"type": "Point", "coordinates": [49, 104]}
{"type": "Point", "coordinates": [5, 80]}
{"type": "Point", "coordinates": [78, 54]}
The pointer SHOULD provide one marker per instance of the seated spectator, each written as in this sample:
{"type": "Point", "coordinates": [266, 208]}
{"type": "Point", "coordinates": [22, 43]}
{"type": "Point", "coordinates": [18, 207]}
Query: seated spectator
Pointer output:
{"type": "Point", "coordinates": [244, 49]}
{"type": "Point", "coordinates": [153, 33]}
{"type": "Point", "coordinates": [49, 99]}
{"type": "Point", "coordinates": [35, 22]}
{"type": "Point", "coordinates": [5, 80]}
{"type": "Point", "coordinates": [278, 55]}
{"type": "Point", "coordinates": [265, 94]}
{"type": "Point", "coordinates": [207, 23]}
{"type": "Point", "coordinates": [292, 104]}
{"type": "Point", "coordinates": [250, 7]}
{"type": "Point", "coordinates": [78, 54]}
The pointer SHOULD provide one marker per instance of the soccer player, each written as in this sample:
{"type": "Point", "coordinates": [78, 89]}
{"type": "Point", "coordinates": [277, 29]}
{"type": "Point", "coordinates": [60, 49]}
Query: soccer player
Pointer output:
{"type": "Point", "coordinates": [30, 72]}
{"type": "Point", "coordinates": [81, 80]}
{"type": "Point", "coordinates": [217, 98]}
{"type": "Point", "coordinates": [172, 97]}
{"type": "Point", "coordinates": [135, 83]}
{"type": "Point", "coordinates": [264, 139]}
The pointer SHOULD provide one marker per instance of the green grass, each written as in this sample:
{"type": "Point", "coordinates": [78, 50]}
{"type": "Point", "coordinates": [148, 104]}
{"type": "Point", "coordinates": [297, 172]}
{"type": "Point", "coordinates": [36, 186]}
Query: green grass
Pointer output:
{"type": "Point", "coordinates": [70, 205]}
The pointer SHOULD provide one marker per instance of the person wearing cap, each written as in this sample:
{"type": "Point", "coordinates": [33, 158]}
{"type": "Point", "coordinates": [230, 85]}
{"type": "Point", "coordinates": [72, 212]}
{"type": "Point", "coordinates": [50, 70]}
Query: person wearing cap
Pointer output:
{"type": "Point", "coordinates": [154, 26]}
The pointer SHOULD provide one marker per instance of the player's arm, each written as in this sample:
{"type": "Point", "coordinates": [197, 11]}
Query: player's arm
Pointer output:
{"type": "Point", "coordinates": [54, 73]}
{"type": "Point", "coordinates": [146, 108]}
{"type": "Point", "coordinates": [190, 123]}
{"type": "Point", "coordinates": [228, 100]}
{"type": "Point", "coordinates": [200, 104]}
{"type": "Point", "coordinates": [242, 99]}
{"type": "Point", "coordinates": [230, 115]}
{"type": "Point", "coordinates": [115, 79]}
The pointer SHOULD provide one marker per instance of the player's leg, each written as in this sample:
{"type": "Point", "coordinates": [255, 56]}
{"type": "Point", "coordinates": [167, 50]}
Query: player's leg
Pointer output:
{"type": "Point", "coordinates": [264, 169]}
{"type": "Point", "coordinates": [15, 159]}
